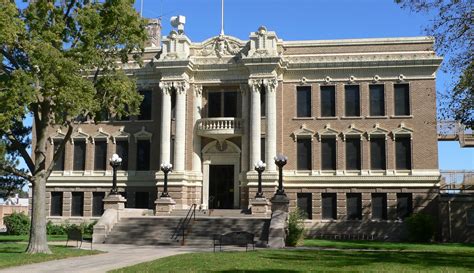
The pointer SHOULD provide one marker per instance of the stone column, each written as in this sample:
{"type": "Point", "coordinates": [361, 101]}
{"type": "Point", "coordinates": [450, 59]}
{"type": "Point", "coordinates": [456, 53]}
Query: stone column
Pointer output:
{"type": "Point", "coordinates": [245, 119]}
{"type": "Point", "coordinates": [255, 121]}
{"type": "Point", "coordinates": [166, 88]}
{"type": "Point", "coordinates": [197, 106]}
{"type": "Point", "coordinates": [180, 136]}
{"type": "Point", "coordinates": [270, 140]}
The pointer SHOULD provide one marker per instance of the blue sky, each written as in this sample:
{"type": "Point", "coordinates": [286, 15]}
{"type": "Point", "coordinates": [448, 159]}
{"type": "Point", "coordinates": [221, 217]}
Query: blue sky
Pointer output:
{"type": "Point", "coordinates": [307, 20]}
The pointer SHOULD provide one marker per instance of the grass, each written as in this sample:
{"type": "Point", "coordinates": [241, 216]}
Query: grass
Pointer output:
{"type": "Point", "coordinates": [374, 245]}
{"type": "Point", "coordinates": [12, 254]}
{"type": "Point", "coordinates": [24, 238]}
{"type": "Point", "coordinates": [409, 258]}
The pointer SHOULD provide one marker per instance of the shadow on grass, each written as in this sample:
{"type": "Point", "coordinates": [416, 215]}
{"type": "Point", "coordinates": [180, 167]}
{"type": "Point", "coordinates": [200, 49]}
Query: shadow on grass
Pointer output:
{"type": "Point", "coordinates": [338, 259]}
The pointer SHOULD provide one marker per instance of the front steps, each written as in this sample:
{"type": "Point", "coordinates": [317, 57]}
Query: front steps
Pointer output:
{"type": "Point", "coordinates": [160, 230]}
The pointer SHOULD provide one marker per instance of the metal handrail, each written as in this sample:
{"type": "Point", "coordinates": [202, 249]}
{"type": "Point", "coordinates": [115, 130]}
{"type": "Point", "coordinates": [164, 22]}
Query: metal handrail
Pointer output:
{"type": "Point", "coordinates": [185, 222]}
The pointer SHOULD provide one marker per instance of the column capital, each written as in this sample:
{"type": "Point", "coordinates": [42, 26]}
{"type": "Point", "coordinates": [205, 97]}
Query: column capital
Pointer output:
{"type": "Point", "coordinates": [197, 90]}
{"type": "Point", "coordinates": [181, 87]}
{"type": "Point", "coordinates": [244, 88]}
{"type": "Point", "coordinates": [270, 84]}
{"type": "Point", "coordinates": [166, 87]}
{"type": "Point", "coordinates": [255, 84]}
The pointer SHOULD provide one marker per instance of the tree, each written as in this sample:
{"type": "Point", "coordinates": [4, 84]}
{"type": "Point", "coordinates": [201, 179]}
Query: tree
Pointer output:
{"type": "Point", "coordinates": [60, 60]}
{"type": "Point", "coordinates": [451, 26]}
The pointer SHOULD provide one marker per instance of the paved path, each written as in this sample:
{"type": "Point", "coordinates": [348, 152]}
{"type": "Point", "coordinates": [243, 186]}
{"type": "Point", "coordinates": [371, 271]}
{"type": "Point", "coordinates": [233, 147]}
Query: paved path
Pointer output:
{"type": "Point", "coordinates": [117, 256]}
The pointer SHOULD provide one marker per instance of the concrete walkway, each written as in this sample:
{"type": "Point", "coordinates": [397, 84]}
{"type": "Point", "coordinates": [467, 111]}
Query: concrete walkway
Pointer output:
{"type": "Point", "coordinates": [117, 256]}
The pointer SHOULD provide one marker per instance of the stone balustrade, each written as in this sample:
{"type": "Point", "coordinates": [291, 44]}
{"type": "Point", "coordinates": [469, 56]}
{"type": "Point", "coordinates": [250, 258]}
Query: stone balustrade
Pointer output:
{"type": "Point", "coordinates": [227, 126]}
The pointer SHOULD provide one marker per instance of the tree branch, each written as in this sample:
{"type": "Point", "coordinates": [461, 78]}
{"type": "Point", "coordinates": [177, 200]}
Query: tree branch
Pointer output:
{"type": "Point", "coordinates": [59, 150]}
{"type": "Point", "coordinates": [14, 171]}
{"type": "Point", "coordinates": [16, 144]}
{"type": "Point", "coordinates": [10, 58]}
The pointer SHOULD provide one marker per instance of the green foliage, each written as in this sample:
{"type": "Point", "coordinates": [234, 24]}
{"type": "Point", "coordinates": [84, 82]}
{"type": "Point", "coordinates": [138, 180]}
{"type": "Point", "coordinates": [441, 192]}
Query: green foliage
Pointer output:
{"type": "Point", "coordinates": [295, 228]}
{"type": "Point", "coordinates": [421, 227]}
{"type": "Point", "coordinates": [62, 229]}
{"type": "Point", "coordinates": [17, 224]}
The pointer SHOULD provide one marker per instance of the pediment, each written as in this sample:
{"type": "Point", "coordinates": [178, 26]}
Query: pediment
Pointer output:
{"type": "Point", "coordinates": [327, 131]}
{"type": "Point", "coordinates": [57, 135]}
{"type": "Point", "coordinates": [402, 130]}
{"type": "Point", "coordinates": [143, 134]}
{"type": "Point", "coordinates": [219, 46]}
{"type": "Point", "coordinates": [377, 131]}
{"type": "Point", "coordinates": [221, 147]}
{"type": "Point", "coordinates": [79, 134]}
{"type": "Point", "coordinates": [303, 132]}
{"type": "Point", "coordinates": [120, 135]}
{"type": "Point", "coordinates": [352, 131]}
{"type": "Point", "coordinates": [100, 135]}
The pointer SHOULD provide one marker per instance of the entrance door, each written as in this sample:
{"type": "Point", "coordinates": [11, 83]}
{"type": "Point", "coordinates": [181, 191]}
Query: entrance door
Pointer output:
{"type": "Point", "coordinates": [221, 186]}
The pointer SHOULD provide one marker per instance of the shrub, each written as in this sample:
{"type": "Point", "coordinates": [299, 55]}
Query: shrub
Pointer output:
{"type": "Point", "coordinates": [295, 228]}
{"type": "Point", "coordinates": [421, 227]}
{"type": "Point", "coordinates": [53, 229]}
{"type": "Point", "coordinates": [17, 224]}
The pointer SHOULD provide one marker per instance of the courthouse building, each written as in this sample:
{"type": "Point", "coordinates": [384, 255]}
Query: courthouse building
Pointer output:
{"type": "Point", "coordinates": [355, 117]}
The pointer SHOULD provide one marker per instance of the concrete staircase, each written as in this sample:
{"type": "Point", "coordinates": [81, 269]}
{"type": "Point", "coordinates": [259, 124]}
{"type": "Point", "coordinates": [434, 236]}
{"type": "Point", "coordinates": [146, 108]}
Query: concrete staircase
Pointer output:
{"type": "Point", "coordinates": [161, 230]}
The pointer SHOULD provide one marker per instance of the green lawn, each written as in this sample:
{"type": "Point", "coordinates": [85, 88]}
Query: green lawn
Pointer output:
{"type": "Point", "coordinates": [451, 247]}
{"type": "Point", "coordinates": [12, 254]}
{"type": "Point", "coordinates": [425, 258]}
{"type": "Point", "coordinates": [24, 238]}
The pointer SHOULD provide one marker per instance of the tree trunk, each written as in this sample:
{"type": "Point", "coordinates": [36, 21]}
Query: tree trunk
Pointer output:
{"type": "Point", "coordinates": [38, 241]}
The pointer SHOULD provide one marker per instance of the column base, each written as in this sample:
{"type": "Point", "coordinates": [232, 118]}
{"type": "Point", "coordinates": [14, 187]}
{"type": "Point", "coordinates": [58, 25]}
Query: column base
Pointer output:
{"type": "Point", "coordinates": [278, 223]}
{"type": "Point", "coordinates": [164, 205]}
{"type": "Point", "coordinates": [259, 206]}
{"type": "Point", "coordinates": [114, 201]}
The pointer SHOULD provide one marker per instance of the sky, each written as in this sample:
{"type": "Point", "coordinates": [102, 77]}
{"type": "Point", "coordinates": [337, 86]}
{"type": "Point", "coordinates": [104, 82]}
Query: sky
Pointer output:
{"type": "Point", "coordinates": [307, 20]}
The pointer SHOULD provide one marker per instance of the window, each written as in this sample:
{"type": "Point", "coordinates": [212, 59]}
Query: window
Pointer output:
{"type": "Point", "coordinates": [121, 148]}
{"type": "Point", "coordinates": [222, 104]}
{"type": "Point", "coordinates": [173, 104]}
{"type": "Point", "coordinates": [328, 153]}
{"type": "Point", "coordinates": [470, 217]}
{"type": "Point", "coordinates": [402, 100]}
{"type": "Point", "coordinates": [141, 200]}
{"type": "Point", "coordinates": [145, 106]}
{"type": "Point", "coordinates": [354, 206]}
{"type": "Point", "coordinates": [303, 151]}
{"type": "Point", "coordinates": [263, 96]}
{"type": "Point", "coordinates": [352, 101]}
{"type": "Point", "coordinates": [403, 153]}
{"type": "Point", "coordinates": [329, 210]}
{"type": "Point", "coordinates": [379, 206]}
{"type": "Point", "coordinates": [304, 203]}
{"type": "Point", "coordinates": [56, 204]}
{"type": "Point", "coordinates": [100, 155]}
{"type": "Point", "coordinates": [353, 154]}
{"type": "Point", "coordinates": [377, 100]}
{"type": "Point", "coordinates": [77, 204]}
{"type": "Point", "coordinates": [303, 101]}
{"type": "Point", "coordinates": [97, 203]}
{"type": "Point", "coordinates": [59, 164]}
{"type": "Point", "coordinates": [262, 149]}
{"type": "Point", "coordinates": [79, 162]}
{"type": "Point", "coordinates": [404, 205]}
{"type": "Point", "coordinates": [377, 153]}
{"type": "Point", "coordinates": [143, 155]}
{"type": "Point", "coordinates": [328, 101]}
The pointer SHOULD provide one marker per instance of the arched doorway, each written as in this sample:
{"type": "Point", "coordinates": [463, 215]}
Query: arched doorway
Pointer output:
{"type": "Point", "coordinates": [221, 167]}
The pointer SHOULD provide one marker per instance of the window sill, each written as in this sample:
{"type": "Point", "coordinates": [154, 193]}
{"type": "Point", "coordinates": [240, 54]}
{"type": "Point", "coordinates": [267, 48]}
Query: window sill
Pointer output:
{"type": "Point", "coordinates": [322, 118]}
{"type": "Point", "coordinates": [401, 117]}
{"type": "Point", "coordinates": [323, 172]}
{"type": "Point", "coordinates": [352, 172]}
{"type": "Point", "coordinates": [143, 120]}
{"type": "Point", "coordinates": [303, 118]}
{"type": "Point", "coordinates": [403, 172]}
{"type": "Point", "coordinates": [376, 117]}
{"type": "Point", "coordinates": [354, 117]}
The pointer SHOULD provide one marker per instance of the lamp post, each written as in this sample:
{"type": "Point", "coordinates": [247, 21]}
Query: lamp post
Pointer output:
{"type": "Point", "coordinates": [259, 167]}
{"type": "Point", "coordinates": [115, 162]}
{"type": "Point", "coordinates": [166, 168]}
{"type": "Point", "coordinates": [280, 161]}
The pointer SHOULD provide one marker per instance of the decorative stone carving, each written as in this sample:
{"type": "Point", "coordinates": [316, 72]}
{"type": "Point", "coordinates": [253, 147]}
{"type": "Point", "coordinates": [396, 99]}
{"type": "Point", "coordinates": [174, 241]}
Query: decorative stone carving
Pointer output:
{"type": "Point", "coordinates": [100, 135]}
{"type": "Point", "coordinates": [377, 131]}
{"type": "Point", "coordinates": [79, 134]}
{"type": "Point", "coordinates": [270, 84]}
{"type": "Point", "coordinates": [303, 132]}
{"type": "Point", "coordinates": [165, 87]}
{"type": "Point", "coordinates": [58, 135]}
{"type": "Point", "coordinates": [352, 131]}
{"type": "Point", "coordinates": [120, 135]}
{"type": "Point", "coordinates": [402, 130]}
{"type": "Point", "coordinates": [181, 86]}
{"type": "Point", "coordinates": [220, 46]}
{"type": "Point", "coordinates": [376, 78]}
{"type": "Point", "coordinates": [244, 88]}
{"type": "Point", "coordinates": [197, 90]}
{"type": "Point", "coordinates": [352, 79]}
{"type": "Point", "coordinates": [142, 134]}
{"type": "Point", "coordinates": [153, 29]}
{"type": "Point", "coordinates": [255, 84]}
{"type": "Point", "coordinates": [263, 43]}
{"type": "Point", "coordinates": [401, 78]}
{"type": "Point", "coordinates": [327, 131]}
{"type": "Point", "coordinates": [327, 79]}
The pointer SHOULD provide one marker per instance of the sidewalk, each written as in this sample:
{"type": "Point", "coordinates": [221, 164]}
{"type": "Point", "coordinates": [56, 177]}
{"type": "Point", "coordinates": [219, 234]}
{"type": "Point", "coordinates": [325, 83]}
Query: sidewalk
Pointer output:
{"type": "Point", "coordinates": [117, 256]}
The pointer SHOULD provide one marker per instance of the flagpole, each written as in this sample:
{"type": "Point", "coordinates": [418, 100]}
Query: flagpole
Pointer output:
{"type": "Point", "coordinates": [222, 17]}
